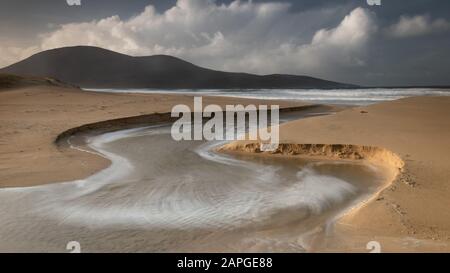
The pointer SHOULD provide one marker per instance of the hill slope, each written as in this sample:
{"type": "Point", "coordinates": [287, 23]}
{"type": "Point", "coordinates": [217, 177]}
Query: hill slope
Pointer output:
{"type": "Point", "coordinates": [100, 68]}
{"type": "Point", "coordinates": [9, 81]}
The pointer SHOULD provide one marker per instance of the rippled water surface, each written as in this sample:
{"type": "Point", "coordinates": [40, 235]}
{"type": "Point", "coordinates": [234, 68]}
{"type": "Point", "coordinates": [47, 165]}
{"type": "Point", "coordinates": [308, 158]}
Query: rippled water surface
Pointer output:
{"type": "Point", "coordinates": [165, 196]}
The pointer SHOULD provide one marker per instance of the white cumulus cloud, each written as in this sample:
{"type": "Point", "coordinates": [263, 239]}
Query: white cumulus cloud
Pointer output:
{"type": "Point", "coordinates": [418, 25]}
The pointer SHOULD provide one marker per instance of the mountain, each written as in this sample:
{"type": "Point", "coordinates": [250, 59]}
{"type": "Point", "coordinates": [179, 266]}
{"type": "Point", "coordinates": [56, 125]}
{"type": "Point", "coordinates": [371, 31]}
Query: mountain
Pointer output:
{"type": "Point", "coordinates": [93, 67]}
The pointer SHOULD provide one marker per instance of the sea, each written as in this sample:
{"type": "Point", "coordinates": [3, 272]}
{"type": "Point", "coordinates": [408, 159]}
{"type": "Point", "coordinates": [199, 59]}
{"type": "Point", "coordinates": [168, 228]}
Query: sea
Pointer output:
{"type": "Point", "coordinates": [364, 96]}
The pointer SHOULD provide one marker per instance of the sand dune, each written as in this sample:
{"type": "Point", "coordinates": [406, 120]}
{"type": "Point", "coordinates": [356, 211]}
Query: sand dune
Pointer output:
{"type": "Point", "coordinates": [11, 81]}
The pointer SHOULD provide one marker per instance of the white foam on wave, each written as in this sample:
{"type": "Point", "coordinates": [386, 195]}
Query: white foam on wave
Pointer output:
{"type": "Point", "coordinates": [336, 96]}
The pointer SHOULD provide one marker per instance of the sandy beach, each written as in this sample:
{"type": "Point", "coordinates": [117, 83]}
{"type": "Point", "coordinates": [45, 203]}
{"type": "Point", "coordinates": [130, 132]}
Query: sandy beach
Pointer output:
{"type": "Point", "coordinates": [410, 137]}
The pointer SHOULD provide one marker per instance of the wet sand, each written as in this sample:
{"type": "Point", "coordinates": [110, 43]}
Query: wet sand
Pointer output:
{"type": "Point", "coordinates": [165, 196]}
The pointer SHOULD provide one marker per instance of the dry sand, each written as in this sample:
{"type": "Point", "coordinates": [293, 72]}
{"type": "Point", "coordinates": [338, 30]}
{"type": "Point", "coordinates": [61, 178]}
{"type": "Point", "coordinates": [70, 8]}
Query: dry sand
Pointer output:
{"type": "Point", "coordinates": [412, 137]}
{"type": "Point", "coordinates": [32, 118]}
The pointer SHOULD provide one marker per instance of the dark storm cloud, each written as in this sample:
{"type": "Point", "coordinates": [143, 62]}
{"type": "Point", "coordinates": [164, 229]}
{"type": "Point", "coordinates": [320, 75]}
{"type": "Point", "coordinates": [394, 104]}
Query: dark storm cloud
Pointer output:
{"type": "Point", "coordinates": [398, 43]}
{"type": "Point", "coordinates": [21, 18]}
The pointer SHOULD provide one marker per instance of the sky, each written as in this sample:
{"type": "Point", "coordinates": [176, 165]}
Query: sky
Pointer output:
{"type": "Point", "coordinates": [396, 43]}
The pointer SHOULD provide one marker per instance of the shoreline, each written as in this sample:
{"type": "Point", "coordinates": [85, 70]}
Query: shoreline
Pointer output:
{"type": "Point", "coordinates": [145, 120]}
